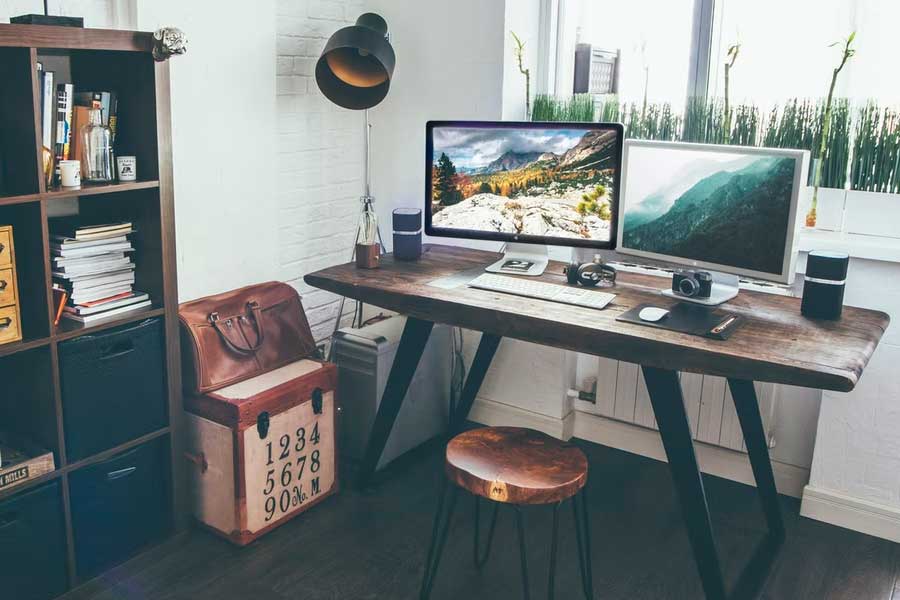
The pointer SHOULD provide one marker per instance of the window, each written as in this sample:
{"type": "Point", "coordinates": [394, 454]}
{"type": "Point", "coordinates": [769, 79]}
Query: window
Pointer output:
{"type": "Point", "coordinates": [653, 40]}
{"type": "Point", "coordinates": [784, 47]}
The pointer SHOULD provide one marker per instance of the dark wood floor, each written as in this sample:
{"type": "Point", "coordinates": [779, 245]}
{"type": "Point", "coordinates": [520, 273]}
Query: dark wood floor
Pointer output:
{"type": "Point", "coordinates": [372, 545]}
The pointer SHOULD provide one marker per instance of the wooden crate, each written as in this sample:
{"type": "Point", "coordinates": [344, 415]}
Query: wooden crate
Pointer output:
{"type": "Point", "coordinates": [264, 450]}
{"type": "Point", "coordinates": [22, 461]}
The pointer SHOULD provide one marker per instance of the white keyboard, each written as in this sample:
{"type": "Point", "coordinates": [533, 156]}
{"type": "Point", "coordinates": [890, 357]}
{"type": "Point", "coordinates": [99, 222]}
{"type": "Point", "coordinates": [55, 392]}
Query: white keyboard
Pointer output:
{"type": "Point", "coordinates": [564, 294]}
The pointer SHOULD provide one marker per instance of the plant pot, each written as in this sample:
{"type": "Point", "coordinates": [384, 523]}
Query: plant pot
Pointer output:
{"type": "Point", "coordinates": [873, 213]}
{"type": "Point", "coordinates": [829, 208]}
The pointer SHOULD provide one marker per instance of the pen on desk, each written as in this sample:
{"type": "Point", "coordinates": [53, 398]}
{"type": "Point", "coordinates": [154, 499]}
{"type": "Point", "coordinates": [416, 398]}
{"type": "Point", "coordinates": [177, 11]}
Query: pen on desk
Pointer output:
{"type": "Point", "coordinates": [724, 324]}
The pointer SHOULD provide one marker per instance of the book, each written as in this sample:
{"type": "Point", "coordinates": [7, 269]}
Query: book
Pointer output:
{"type": "Point", "coordinates": [82, 298]}
{"type": "Point", "coordinates": [86, 297]}
{"type": "Point", "coordinates": [104, 265]}
{"type": "Point", "coordinates": [85, 251]}
{"type": "Point", "coordinates": [92, 281]}
{"type": "Point", "coordinates": [80, 117]}
{"type": "Point", "coordinates": [69, 261]}
{"type": "Point", "coordinates": [107, 102]}
{"type": "Point", "coordinates": [100, 306]}
{"type": "Point", "coordinates": [47, 109]}
{"type": "Point", "coordinates": [64, 244]}
{"type": "Point", "coordinates": [68, 230]}
{"type": "Point", "coordinates": [88, 319]}
{"type": "Point", "coordinates": [64, 93]}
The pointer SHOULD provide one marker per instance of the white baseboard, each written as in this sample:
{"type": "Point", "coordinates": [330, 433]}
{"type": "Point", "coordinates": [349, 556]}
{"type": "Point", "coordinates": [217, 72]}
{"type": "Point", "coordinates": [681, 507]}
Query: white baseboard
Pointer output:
{"type": "Point", "coordinates": [851, 513]}
{"type": "Point", "coordinates": [490, 412]}
{"type": "Point", "coordinates": [721, 462]}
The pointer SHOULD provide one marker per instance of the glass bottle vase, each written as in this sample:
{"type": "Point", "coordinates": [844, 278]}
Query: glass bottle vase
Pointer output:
{"type": "Point", "coordinates": [98, 150]}
{"type": "Point", "coordinates": [368, 225]}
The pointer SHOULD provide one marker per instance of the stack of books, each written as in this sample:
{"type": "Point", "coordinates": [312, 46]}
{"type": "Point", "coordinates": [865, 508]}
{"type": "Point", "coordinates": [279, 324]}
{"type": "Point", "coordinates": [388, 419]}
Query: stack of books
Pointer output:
{"type": "Point", "coordinates": [93, 265]}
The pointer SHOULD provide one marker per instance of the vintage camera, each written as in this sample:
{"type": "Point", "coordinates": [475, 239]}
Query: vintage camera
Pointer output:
{"type": "Point", "coordinates": [692, 284]}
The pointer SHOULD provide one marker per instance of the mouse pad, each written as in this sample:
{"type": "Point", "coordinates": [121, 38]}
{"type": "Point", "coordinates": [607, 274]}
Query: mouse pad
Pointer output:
{"type": "Point", "coordinates": [688, 318]}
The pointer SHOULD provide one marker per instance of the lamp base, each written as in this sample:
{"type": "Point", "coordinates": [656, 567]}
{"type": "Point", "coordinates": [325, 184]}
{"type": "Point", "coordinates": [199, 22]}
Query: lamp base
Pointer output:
{"type": "Point", "coordinates": [367, 256]}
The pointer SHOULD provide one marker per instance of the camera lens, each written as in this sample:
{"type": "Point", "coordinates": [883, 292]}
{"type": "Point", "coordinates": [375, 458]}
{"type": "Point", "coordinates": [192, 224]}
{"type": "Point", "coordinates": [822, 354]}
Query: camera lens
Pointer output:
{"type": "Point", "coordinates": [687, 286]}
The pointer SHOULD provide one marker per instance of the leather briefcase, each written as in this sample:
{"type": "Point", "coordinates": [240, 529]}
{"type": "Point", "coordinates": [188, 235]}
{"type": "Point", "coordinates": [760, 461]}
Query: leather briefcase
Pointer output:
{"type": "Point", "coordinates": [240, 334]}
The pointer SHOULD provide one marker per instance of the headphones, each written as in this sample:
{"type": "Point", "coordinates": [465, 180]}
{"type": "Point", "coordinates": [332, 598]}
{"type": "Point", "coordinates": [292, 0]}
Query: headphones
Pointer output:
{"type": "Point", "coordinates": [590, 274]}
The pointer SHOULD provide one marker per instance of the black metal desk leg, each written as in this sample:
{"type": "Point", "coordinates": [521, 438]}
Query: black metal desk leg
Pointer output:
{"type": "Point", "coordinates": [747, 406]}
{"type": "Point", "coordinates": [487, 347]}
{"type": "Point", "coordinates": [668, 404]}
{"type": "Point", "coordinates": [412, 345]}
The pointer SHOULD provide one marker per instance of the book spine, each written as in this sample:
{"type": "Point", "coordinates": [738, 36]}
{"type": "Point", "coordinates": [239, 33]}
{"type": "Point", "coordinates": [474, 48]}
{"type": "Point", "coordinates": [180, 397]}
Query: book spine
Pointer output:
{"type": "Point", "coordinates": [47, 109]}
{"type": "Point", "coordinates": [104, 107]}
{"type": "Point", "coordinates": [89, 99]}
{"type": "Point", "coordinates": [113, 114]}
{"type": "Point", "coordinates": [64, 94]}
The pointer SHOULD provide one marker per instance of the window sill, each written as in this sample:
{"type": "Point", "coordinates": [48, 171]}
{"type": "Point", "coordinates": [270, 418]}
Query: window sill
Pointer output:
{"type": "Point", "coordinates": [867, 247]}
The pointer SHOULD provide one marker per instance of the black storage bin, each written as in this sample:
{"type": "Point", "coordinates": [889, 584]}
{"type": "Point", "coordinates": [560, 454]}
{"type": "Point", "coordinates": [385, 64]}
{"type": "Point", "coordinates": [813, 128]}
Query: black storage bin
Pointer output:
{"type": "Point", "coordinates": [113, 387]}
{"type": "Point", "coordinates": [33, 545]}
{"type": "Point", "coordinates": [119, 505]}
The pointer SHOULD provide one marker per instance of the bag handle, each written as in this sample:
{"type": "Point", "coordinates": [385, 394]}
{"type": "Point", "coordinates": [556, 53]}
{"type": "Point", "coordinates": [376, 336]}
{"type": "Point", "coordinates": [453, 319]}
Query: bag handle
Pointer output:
{"type": "Point", "coordinates": [229, 332]}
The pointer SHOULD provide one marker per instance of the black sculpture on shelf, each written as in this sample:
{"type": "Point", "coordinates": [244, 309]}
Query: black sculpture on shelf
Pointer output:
{"type": "Point", "coordinates": [46, 19]}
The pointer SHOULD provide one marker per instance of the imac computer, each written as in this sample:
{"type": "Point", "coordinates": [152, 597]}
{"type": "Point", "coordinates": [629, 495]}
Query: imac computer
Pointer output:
{"type": "Point", "coordinates": [527, 184]}
{"type": "Point", "coordinates": [728, 210]}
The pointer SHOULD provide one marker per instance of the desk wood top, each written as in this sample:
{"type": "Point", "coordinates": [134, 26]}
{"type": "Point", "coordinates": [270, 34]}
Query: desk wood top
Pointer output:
{"type": "Point", "coordinates": [776, 343]}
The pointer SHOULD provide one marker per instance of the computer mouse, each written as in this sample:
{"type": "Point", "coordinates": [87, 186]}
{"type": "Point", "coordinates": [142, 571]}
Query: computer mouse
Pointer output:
{"type": "Point", "coordinates": [652, 314]}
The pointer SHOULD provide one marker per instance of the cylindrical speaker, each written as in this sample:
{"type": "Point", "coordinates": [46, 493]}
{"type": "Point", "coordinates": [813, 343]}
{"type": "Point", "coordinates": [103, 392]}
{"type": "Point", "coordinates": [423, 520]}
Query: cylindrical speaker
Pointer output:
{"type": "Point", "coordinates": [823, 286]}
{"type": "Point", "coordinates": [407, 233]}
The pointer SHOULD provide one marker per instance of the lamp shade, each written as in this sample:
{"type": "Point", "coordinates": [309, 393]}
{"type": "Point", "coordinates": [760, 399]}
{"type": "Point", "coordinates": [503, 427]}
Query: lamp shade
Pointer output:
{"type": "Point", "coordinates": [357, 64]}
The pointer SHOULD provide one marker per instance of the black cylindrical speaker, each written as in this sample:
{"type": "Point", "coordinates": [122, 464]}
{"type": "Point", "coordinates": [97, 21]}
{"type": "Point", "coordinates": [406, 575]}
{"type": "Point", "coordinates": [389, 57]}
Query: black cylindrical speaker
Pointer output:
{"type": "Point", "coordinates": [407, 233]}
{"type": "Point", "coordinates": [823, 286]}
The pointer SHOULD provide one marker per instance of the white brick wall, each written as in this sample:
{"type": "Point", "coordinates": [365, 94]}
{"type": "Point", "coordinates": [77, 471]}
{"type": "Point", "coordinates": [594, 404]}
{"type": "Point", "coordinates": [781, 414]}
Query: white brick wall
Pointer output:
{"type": "Point", "coordinates": [320, 155]}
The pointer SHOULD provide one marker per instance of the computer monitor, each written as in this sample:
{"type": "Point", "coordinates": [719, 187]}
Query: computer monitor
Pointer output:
{"type": "Point", "coordinates": [724, 208]}
{"type": "Point", "coordinates": [524, 183]}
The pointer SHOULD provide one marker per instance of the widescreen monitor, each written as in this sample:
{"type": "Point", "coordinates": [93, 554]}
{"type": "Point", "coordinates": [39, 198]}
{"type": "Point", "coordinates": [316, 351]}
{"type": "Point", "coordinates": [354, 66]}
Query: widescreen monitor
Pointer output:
{"type": "Point", "coordinates": [538, 183]}
{"type": "Point", "coordinates": [724, 208]}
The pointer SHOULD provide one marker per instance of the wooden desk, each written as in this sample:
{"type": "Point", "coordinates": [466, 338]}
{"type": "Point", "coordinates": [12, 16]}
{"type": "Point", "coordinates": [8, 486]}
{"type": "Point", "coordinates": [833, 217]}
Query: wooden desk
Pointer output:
{"type": "Point", "coordinates": [775, 344]}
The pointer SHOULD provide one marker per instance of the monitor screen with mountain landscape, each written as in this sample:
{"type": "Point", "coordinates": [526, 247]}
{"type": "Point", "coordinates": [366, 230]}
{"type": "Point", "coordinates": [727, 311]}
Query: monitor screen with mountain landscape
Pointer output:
{"type": "Point", "coordinates": [543, 183]}
{"type": "Point", "coordinates": [712, 205]}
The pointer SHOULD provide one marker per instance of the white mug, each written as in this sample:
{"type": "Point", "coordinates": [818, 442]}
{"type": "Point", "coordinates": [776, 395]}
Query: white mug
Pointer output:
{"type": "Point", "coordinates": [70, 173]}
{"type": "Point", "coordinates": [127, 166]}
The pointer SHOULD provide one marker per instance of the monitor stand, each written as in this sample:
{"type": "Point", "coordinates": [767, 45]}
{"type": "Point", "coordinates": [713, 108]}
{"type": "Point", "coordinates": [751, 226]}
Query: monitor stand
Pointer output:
{"type": "Point", "coordinates": [521, 259]}
{"type": "Point", "coordinates": [725, 286]}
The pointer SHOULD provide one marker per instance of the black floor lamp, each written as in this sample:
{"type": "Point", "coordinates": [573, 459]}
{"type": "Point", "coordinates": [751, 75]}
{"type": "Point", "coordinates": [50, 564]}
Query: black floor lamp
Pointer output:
{"type": "Point", "coordinates": [355, 72]}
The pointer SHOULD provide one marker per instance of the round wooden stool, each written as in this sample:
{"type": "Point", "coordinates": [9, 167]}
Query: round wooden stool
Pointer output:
{"type": "Point", "coordinates": [514, 466]}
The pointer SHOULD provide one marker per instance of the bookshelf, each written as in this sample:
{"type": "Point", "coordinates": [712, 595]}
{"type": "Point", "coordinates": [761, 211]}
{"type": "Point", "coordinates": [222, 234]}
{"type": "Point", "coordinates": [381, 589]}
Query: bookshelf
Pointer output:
{"type": "Point", "coordinates": [32, 403]}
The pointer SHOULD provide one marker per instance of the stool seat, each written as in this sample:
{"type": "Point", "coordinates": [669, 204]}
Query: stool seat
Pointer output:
{"type": "Point", "coordinates": [515, 465]}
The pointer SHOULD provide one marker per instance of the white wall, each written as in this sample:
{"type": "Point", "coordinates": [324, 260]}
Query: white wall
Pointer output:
{"type": "Point", "coordinates": [856, 466]}
{"type": "Point", "coordinates": [223, 139]}
{"type": "Point", "coordinates": [449, 66]}
{"type": "Point", "coordinates": [523, 18]}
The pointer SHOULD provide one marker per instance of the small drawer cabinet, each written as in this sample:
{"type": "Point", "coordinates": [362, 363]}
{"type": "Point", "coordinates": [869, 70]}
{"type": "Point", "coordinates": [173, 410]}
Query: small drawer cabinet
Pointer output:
{"type": "Point", "coordinates": [264, 449]}
{"type": "Point", "coordinates": [10, 315]}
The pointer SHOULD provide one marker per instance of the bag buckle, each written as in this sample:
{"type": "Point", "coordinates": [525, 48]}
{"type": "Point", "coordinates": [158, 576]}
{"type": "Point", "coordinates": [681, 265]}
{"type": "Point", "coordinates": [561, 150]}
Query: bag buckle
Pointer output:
{"type": "Point", "coordinates": [213, 317]}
